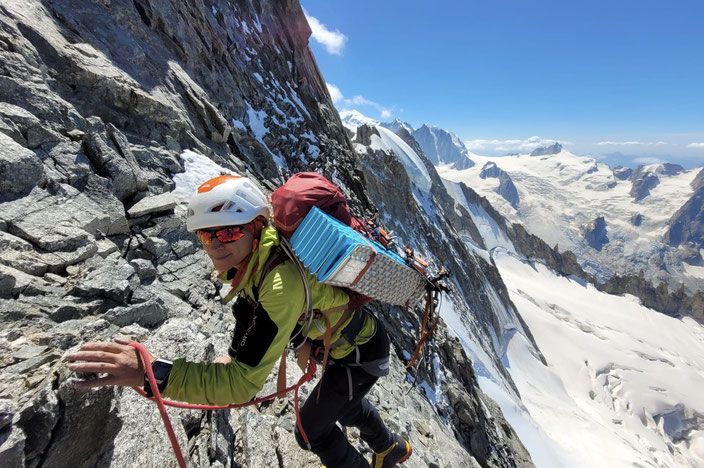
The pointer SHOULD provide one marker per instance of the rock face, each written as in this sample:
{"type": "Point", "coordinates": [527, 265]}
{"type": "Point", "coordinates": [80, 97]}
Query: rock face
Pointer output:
{"type": "Point", "coordinates": [97, 102]}
{"type": "Point", "coordinates": [698, 181]}
{"type": "Point", "coordinates": [622, 173]}
{"type": "Point", "coordinates": [643, 181]}
{"type": "Point", "coordinates": [596, 234]}
{"type": "Point", "coordinates": [687, 224]}
{"type": "Point", "coordinates": [669, 169]}
{"type": "Point", "coordinates": [442, 147]}
{"type": "Point", "coordinates": [364, 134]}
{"type": "Point", "coordinates": [547, 150]}
{"type": "Point", "coordinates": [506, 187]}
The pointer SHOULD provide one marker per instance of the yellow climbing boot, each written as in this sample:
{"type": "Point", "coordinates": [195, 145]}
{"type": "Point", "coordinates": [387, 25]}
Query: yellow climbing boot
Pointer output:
{"type": "Point", "coordinates": [397, 453]}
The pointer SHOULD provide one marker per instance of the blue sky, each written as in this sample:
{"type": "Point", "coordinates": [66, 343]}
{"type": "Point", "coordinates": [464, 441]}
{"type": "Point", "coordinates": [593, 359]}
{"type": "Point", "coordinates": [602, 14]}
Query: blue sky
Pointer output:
{"type": "Point", "coordinates": [603, 78]}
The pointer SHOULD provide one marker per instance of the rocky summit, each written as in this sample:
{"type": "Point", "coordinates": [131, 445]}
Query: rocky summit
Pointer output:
{"type": "Point", "coordinates": [99, 101]}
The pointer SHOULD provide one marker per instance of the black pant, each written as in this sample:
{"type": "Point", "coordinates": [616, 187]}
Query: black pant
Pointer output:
{"type": "Point", "coordinates": [319, 415]}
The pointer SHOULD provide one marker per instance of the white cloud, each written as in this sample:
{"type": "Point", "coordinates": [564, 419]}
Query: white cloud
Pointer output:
{"type": "Point", "coordinates": [631, 143]}
{"type": "Point", "coordinates": [362, 101]}
{"type": "Point", "coordinates": [333, 41]}
{"type": "Point", "coordinates": [335, 93]}
{"type": "Point", "coordinates": [695, 145]}
{"type": "Point", "coordinates": [509, 146]}
{"type": "Point", "coordinates": [647, 160]}
{"type": "Point", "coordinates": [344, 104]}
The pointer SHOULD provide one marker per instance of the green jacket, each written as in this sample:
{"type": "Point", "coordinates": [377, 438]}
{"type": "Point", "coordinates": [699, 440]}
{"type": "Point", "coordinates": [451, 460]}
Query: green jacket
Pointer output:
{"type": "Point", "coordinates": [282, 295]}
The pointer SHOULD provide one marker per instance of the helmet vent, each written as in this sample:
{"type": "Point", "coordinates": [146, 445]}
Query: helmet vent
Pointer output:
{"type": "Point", "coordinates": [217, 208]}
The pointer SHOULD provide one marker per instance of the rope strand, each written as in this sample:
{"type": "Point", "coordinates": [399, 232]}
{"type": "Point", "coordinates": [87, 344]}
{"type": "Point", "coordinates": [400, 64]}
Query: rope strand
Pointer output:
{"type": "Point", "coordinates": [161, 403]}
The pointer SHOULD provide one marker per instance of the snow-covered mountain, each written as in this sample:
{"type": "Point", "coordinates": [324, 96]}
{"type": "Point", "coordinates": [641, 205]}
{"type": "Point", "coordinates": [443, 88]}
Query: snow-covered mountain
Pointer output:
{"type": "Point", "coordinates": [379, 138]}
{"type": "Point", "coordinates": [440, 146]}
{"type": "Point", "coordinates": [615, 221]}
{"type": "Point", "coordinates": [595, 379]}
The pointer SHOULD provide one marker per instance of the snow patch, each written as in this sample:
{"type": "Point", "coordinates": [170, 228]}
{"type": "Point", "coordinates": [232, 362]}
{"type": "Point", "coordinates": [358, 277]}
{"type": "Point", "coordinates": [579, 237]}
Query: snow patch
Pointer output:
{"type": "Point", "coordinates": [197, 169]}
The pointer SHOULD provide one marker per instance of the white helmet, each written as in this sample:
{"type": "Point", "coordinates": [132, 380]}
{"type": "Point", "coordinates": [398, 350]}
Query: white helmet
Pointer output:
{"type": "Point", "coordinates": [226, 200]}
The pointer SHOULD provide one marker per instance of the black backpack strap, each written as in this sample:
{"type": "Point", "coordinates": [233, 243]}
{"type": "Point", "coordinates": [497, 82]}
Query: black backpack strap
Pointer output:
{"type": "Point", "coordinates": [278, 255]}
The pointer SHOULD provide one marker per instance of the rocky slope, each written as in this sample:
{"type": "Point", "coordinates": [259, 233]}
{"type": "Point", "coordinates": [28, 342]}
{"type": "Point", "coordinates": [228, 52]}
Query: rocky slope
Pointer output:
{"type": "Point", "coordinates": [687, 225]}
{"type": "Point", "coordinates": [98, 100]}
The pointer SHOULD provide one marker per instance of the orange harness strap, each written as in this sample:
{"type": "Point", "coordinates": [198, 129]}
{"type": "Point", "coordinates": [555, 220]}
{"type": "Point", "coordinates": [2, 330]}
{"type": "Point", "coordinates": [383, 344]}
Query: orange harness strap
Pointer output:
{"type": "Point", "coordinates": [424, 334]}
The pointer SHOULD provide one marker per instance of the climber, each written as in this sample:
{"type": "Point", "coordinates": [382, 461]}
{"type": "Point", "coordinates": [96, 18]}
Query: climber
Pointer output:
{"type": "Point", "coordinates": [230, 216]}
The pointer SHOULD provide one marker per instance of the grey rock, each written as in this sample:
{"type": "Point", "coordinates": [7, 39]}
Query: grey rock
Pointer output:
{"type": "Point", "coordinates": [687, 224]}
{"type": "Point", "coordinates": [643, 182]}
{"type": "Point", "coordinates": [110, 164]}
{"type": "Point", "coordinates": [70, 308]}
{"type": "Point", "coordinates": [507, 189]}
{"type": "Point", "coordinates": [50, 232]}
{"type": "Point", "coordinates": [670, 169]}
{"type": "Point", "coordinates": [490, 169]}
{"type": "Point", "coordinates": [144, 268]}
{"type": "Point", "coordinates": [183, 248]}
{"type": "Point", "coordinates": [596, 233]}
{"type": "Point", "coordinates": [111, 279]}
{"type": "Point", "coordinates": [155, 292]}
{"type": "Point", "coordinates": [12, 448]}
{"type": "Point", "coordinates": [364, 134]}
{"type": "Point", "coordinates": [146, 314]}
{"type": "Point", "coordinates": [20, 168]}
{"type": "Point", "coordinates": [53, 278]}
{"type": "Point", "coordinates": [106, 247]}
{"type": "Point", "coordinates": [39, 135]}
{"type": "Point", "coordinates": [8, 409]}
{"type": "Point", "coordinates": [16, 121]}
{"type": "Point", "coordinates": [622, 173]}
{"type": "Point", "coordinates": [23, 256]}
{"type": "Point", "coordinates": [13, 281]}
{"type": "Point", "coordinates": [122, 145]}
{"type": "Point", "coordinates": [158, 247]}
{"type": "Point", "coordinates": [29, 351]}
{"type": "Point", "coordinates": [555, 148]}
{"type": "Point", "coordinates": [698, 181]}
{"type": "Point", "coordinates": [637, 219]}
{"type": "Point", "coordinates": [89, 422]}
{"type": "Point", "coordinates": [32, 363]}
{"type": "Point", "coordinates": [150, 205]}
{"type": "Point", "coordinates": [97, 211]}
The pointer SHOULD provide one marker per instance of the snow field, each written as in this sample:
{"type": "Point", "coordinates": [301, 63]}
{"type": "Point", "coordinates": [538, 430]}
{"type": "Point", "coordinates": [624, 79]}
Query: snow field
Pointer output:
{"type": "Point", "coordinates": [623, 382]}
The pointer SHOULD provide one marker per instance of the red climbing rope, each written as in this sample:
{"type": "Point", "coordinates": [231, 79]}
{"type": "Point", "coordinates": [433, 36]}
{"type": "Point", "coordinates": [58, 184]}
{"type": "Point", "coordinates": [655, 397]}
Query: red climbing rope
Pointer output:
{"type": "Point", "coordinates": [161, 403]}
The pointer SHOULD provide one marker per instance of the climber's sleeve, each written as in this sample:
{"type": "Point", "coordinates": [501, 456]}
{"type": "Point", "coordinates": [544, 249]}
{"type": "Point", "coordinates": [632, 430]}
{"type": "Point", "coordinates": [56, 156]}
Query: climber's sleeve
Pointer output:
{"type": "Point", "coordinates": [283, 300]}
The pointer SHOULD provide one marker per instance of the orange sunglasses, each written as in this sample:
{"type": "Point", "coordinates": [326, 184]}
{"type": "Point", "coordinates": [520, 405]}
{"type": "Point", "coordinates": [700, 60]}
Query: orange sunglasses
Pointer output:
{"type": "Point", "coordinates": [224, 235]}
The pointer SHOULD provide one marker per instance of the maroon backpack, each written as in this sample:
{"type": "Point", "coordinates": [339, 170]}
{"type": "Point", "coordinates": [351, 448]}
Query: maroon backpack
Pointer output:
{"type": "Point", "coordinates": [294, 199]}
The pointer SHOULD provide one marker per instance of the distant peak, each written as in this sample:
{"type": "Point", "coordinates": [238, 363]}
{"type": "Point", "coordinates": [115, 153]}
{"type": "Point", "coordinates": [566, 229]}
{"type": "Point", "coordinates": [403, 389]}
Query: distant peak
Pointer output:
{"type": "Point", "coordinates": [547, 150]}
{"type": "Point", "coordinates": [353, 119]}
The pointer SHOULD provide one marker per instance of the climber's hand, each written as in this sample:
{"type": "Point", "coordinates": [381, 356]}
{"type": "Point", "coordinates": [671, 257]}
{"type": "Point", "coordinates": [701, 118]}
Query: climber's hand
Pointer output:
{"type": "Point", "coordinates": [222, 360]}
{"type": "Point", "coordinates": [122, 364]}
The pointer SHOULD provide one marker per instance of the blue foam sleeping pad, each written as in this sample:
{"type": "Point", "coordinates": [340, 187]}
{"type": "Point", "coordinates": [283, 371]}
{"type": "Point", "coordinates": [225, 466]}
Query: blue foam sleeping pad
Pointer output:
{"type": "Point", "coordinates": [336, 254]}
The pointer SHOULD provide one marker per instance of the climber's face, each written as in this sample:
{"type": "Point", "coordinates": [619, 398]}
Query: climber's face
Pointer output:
{"type": "Point", "coordinates": [227, 255]}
